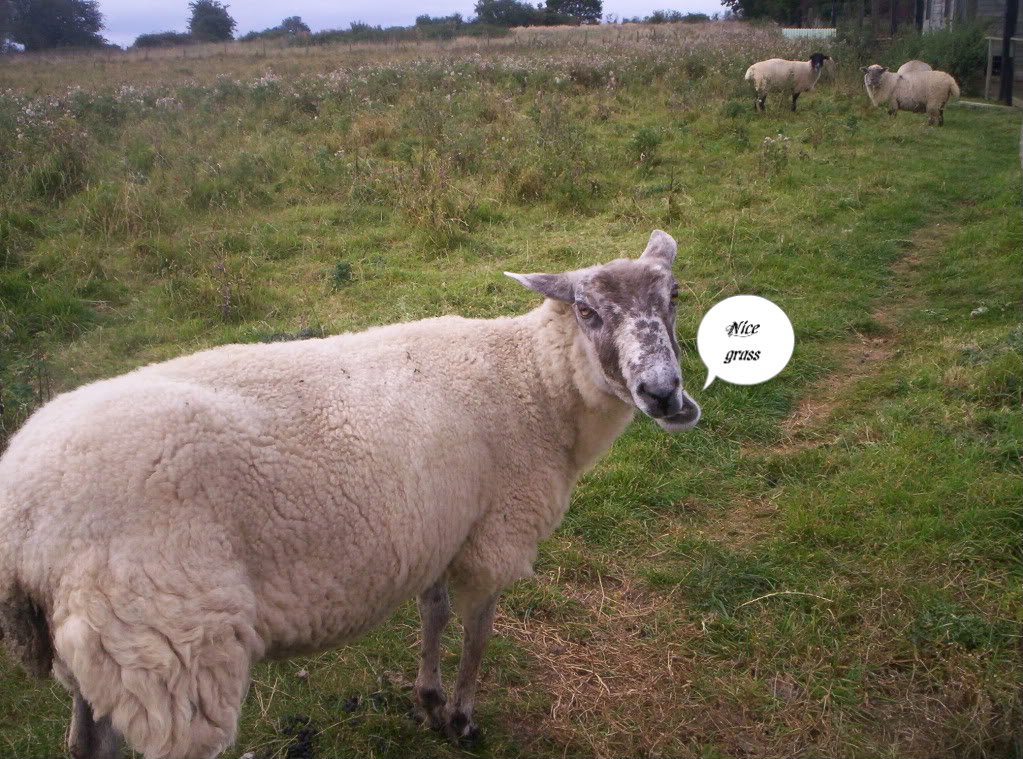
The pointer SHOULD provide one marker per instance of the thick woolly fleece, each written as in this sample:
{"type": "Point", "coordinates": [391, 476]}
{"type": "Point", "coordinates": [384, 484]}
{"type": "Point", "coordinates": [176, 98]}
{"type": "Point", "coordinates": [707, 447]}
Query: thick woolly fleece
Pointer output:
{"type": "Point", "coordinates": [917, 92]}
{"type": "Point", "coordinates": [177, 524]}
{"type": "Point", "coordinates": [780, 74]}
{"type": "Point", "coordinates": [913, 66]}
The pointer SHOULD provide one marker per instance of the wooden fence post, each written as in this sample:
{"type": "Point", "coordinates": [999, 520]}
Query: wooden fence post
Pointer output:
{"type": "Point", "coordinates": [1008, 51]}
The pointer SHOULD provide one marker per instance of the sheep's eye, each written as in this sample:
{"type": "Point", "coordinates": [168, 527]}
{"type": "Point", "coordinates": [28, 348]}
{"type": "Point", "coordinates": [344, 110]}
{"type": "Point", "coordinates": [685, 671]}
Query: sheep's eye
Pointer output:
{"type": "Point", "coordinates": [586, 312]}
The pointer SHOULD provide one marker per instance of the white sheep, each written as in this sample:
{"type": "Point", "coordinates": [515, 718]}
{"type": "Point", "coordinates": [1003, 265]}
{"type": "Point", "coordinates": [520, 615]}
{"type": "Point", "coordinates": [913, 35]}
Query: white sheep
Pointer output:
{"type": "Point", "coordinates": [779, 74]}
{"type": "Point", "coordinates": [162, 531]}
{"type": "Point", "coordinates": [917, 92]}
{"type": "Point", "coordinates": [910, 67]}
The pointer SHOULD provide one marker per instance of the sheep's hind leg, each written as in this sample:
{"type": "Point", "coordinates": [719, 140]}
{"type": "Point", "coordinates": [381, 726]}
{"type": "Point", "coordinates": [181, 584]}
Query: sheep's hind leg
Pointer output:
{"type": "Point", "coordinates": [477, 615]}
{"type": "Point", "coordinates": [90, 738]}
{"type": "Point", "coordinates": [434, 613]}
{"type": "Point", "coordinates": [795, 97]}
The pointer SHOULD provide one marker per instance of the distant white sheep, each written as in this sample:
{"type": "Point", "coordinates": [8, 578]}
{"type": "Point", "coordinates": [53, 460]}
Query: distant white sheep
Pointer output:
{"type": "Point", "coordinates": [910, 67]}
{"type": "Point", "coordinates": [162, 531]}
{"type": "Point", "coordinates": [917, 92]}
{"type": "Point", "coordinates": [796, 77]}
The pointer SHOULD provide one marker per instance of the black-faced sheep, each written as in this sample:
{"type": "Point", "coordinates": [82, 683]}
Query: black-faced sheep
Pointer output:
{"type": "Point", "coordinates": [162, 531]}
{"type": "Point", "coordinates": [917, 92]}
{"type": "Point", "coordinates": [796, 77]}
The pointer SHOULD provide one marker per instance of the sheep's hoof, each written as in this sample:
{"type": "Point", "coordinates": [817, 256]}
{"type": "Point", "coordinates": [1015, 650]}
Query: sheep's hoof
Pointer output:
{"type": "Point", "coordinates": [462, 731]}
{"type": "Point", "coordinates": [429, 708]}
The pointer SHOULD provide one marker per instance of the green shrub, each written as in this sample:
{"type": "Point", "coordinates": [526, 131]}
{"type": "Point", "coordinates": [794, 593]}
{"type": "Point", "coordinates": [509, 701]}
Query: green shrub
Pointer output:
{"type": "Point", "coordinates": [140, 158]}
{"type": "Point", "coordinates": [959, 49]}
{"type": "Point", "coordinates": [341, 275]}
{"type": "Point", "coordinates": [694, 68]}
{"type": "Point", "coordinates": [98, 109]}
{"type": "Point", "coordinates": [643, 145]}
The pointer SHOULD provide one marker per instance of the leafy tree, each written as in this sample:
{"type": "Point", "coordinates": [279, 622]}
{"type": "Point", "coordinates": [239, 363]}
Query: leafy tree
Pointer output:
{"type": "Point", "coordinates": [455, 19]}
{"type": "Point", "coordinates": [210, 21]}
{"type": "Point", "coordinates": [294, 25]}
{"type": "Point", "coordinates": [162, 39]}
{"type": "Point", "coordinates": [5, 26]}
{"type": "Point", "coordinates": [507, 13]}
{"type": "Point", "coordinates": [440, 27]}
{"type": "Point", "coordinates": [782, 11]}
{"type": "Point", "coordinates": [41, 24]}
{"type": "Point", "coordinates": [587, 11]}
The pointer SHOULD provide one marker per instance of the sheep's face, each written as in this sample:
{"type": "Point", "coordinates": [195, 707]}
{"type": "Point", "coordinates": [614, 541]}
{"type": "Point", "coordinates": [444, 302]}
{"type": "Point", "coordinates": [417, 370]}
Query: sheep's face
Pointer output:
{"type": "Point", "coordinates": [817, 61]}
{"type": "Point", "coordinates": [872, 75]}
{"type": "Point", "coordinates": [625, 311]}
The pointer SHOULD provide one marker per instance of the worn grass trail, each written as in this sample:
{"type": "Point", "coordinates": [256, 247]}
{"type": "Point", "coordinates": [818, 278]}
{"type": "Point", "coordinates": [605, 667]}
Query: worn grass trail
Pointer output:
{"type": "Point", "coordinates": [827, 565]}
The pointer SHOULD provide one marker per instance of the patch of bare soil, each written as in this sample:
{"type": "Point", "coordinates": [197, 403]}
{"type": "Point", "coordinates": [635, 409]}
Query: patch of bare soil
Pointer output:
{"type": "Point", "coordinates": [746, 522]}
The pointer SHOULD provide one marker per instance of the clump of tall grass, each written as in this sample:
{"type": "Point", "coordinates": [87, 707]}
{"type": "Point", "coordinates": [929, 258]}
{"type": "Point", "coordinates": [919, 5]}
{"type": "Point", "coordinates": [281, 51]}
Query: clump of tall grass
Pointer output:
{"type": "Point", "coordinates": [243, 180]}
{"type": "Point", "coordinates": [426, 193]}
{"type": "Point", "coordinates": [18, 231]}
{"type": "Point", "coordinates": [64, 165]}
{"type": "Point", "coordinates": [119, 209]}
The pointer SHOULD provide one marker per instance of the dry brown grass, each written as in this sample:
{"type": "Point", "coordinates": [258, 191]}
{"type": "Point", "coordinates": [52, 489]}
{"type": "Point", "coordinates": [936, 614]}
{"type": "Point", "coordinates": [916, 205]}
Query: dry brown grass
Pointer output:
{"type": "Point", "coordinates": [617, 685]}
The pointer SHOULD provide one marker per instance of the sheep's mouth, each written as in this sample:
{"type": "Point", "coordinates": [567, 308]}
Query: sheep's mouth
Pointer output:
{"type": "Point", "coordinates": [686, 418]}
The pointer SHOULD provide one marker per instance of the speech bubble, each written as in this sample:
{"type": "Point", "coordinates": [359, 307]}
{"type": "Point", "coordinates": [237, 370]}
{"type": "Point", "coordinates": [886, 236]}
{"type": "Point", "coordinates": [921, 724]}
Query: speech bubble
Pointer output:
{"type": "Point", "coordinates": [745, 340]}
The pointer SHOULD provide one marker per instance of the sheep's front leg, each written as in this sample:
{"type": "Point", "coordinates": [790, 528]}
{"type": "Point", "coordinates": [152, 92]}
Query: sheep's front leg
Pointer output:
{"type": "Point", "coordinates": [477, 615]}
{"type": "Point", "coordinates": [434, 613]}
{"type": "Point", "coordinates": [795, 97]}
{"type": "Point", "coordinates": [90, 738]}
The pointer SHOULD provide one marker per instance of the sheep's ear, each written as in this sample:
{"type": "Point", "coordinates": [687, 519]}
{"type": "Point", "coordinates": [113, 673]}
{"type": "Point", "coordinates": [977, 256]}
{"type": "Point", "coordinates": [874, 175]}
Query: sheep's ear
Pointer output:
{"type": "Point", "coordinates": [557, 286]}
{"type": "Point", "coordinates": [884, 68]}
{"type": "Point", "coordinates": [662, 247]}
{"type": "Point", "coordinates": [863, 69]}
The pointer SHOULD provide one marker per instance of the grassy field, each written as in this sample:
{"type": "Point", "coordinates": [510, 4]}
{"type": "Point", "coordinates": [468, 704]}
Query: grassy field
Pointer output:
{"type": "Point", "coordinates": [828, 565]}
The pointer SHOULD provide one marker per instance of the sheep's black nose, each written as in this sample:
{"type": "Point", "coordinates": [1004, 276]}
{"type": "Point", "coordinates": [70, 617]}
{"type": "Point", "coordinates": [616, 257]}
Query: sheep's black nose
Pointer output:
{"type": "Point", "coordinates": [661, 396]}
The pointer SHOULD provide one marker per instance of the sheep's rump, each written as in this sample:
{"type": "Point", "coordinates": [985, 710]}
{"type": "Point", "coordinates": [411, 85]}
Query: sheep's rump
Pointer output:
{"type": "Point", "coordinates": [916, 91]}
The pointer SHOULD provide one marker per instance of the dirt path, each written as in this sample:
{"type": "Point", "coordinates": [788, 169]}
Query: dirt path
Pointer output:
{"type": "Point", "coordinates": [860, 357]}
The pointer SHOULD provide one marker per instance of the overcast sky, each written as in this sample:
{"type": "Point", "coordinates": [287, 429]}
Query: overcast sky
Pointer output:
{"type": "Point", "coordinates": [126, 19]}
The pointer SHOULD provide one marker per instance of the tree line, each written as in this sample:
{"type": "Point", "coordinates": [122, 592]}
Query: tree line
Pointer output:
{"type": "Point", "coordinates": [44, 24]}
